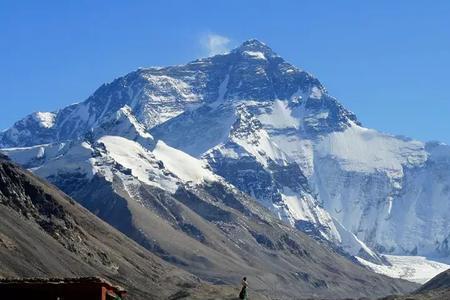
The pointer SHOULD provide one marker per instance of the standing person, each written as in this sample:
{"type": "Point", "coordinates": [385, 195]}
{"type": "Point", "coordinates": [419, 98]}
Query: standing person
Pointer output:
{"type": "Point", "coordinates": [243, 293]}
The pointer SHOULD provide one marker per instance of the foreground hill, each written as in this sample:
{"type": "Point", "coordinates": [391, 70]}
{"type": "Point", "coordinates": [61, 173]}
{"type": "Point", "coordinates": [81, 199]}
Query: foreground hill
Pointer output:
{"type": "Point", "coordinates": [44, 233]}
{"type": "Point", "coordinates": [438, 288]}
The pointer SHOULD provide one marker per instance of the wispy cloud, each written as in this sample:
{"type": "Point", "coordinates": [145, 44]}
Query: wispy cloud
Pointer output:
{"type": "Point", "coordinates": [215, 43]}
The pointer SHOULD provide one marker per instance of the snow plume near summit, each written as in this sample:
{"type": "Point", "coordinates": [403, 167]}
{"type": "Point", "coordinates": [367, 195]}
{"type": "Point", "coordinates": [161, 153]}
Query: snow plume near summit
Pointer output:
{"type": "Point", "coordinates": [215, 44]}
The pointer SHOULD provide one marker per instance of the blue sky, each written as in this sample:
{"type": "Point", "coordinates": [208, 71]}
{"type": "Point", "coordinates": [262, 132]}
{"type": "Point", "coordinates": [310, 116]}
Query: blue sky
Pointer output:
{"type": "Point", "coordinates": [388, 61]}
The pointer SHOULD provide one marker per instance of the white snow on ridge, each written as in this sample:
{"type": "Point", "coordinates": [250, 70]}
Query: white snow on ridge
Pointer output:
{"type": "Point", "coordinates": [124, 123]}
{"type": "Point", "coordinates": [255, 55]}
{"type": "Point", "coordinates": [139, 160]}
{"type": "Point", "coordinates": [165, 89]}
{"type": "Point", "coordinates": [280, 116]}
{"type": "Point", "coordinates": [297, 206]}
{"type": "Point", "coordinates": [45, 119]}
{"type": "Point", "coordinates": [350, 242]}
{"type": "Point", "coordinates": [222, 91]}
{"type": "Point", "coordinates": [316, 93]}
{"type": "Point", "coordinates": [366, 150]}
{"type": "Point", "coordinates": [186, 167]}
{"type": "Point", "coordinates": [413, 268]}
{"type": "Point", "coordinates": [76, 159]}
{"type": "Point", "coordinates": [305, 208]}
{"type": "Point", "coordinates": [25, 155]}
{"type": "Point", "coordinates": [264, 151]}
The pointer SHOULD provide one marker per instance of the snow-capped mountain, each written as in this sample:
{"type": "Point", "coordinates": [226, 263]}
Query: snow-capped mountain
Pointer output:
{"type": "Point", "coordinates": [250, 119]}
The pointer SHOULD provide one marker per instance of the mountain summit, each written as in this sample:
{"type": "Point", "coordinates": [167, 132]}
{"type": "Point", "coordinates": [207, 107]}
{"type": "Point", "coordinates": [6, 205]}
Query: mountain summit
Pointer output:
{"type": "Point", "coordinates": [254, 45]}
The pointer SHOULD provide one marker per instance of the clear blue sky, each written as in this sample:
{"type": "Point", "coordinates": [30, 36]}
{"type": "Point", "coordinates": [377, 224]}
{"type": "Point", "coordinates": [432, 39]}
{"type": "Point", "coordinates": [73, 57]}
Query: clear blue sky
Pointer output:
{"type": "Point", "coordinates": [388, 61]}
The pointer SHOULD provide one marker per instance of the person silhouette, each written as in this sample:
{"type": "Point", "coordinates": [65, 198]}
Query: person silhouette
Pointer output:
{"type": "Point", "coordinates": [243, 293]}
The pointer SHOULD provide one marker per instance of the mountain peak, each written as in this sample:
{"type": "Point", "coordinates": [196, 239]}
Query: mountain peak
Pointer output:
{"type": "Point", "coordinates": [255, 45]}
{"type": "Point", "coordinates": [253, 42]}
